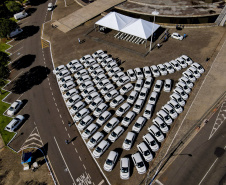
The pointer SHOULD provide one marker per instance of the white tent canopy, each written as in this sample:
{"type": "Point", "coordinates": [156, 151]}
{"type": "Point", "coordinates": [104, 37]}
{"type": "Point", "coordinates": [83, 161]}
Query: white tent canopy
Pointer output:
{"type": "Point", "coordinates": [115, 21]}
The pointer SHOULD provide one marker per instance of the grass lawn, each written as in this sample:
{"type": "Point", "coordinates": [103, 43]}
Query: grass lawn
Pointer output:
{"type": "Point", "coordinates": [3, 45]}
{"type": "Point", "coordinates": [4, 120]}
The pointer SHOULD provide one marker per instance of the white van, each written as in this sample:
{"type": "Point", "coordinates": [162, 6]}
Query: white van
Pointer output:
{"type": "Point", "coordinates": [20, 15]}
{"type": "Point", "coordinates": [50, 7]}
{"type": "Point", "coordinates": [15, 32]}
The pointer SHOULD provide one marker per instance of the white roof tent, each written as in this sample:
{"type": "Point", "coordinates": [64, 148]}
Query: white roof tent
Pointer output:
{"type": "Point", "coordinates": [137, 29]}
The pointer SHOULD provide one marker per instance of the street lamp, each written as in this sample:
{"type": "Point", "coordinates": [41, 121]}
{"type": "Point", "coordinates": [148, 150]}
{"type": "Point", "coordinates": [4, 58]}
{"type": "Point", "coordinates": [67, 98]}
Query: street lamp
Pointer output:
{"type": "Point", "coordinates": [153, 13]}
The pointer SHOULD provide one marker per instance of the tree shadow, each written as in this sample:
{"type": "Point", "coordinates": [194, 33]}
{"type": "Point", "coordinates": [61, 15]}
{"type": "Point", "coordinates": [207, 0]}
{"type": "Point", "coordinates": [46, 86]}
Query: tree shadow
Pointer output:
{"type": "Point", "coordinates": [36, 3]}
{"type": "Point", "coordinates": [31, 10]}
{"type": "Point", "coordinates": [28, 31]}
{"type": "Point", "coordinates": [27, 80]}
{"type": "Point", "coordinates": [23, 62]}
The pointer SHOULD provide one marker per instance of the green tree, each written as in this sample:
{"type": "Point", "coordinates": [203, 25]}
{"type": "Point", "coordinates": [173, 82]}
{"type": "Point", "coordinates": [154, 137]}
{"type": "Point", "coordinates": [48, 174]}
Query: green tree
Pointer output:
{"type": "Point", "coordinates": [4, 58]}
{"type": "Point", "coordinates": [13, 6]}
{"type": "Point", "coordinates": [6, 27]}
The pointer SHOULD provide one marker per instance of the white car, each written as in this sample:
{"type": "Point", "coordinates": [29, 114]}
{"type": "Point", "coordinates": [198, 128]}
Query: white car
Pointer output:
{"type": "Point", "coordinates": [155, 131]}
{"type": "Point", "coordinates": [158, 86]}
{"type": "Point", "coordinates": [100, 109]}
{"type": "Point", "coordinates": [148, 111]}
{"type": "Point", "coordinates": [122, 109]}
{"type": "Point", "coordinates": [85, 85]}
{"type": "Point", "coordinates": [176, 106]}
{"type": "Point", "coordinates": [76, 68]}
{"type": "Point", "coordinates": [93, 68]}
{"type": "Point", "coordinates": [102, 57]}
{"type": "Point", "coordinates": [110, 161]}
{"type": "Point", "coordinates": [169, 67]}
{"type": "Point", "coordinates": [187, 59]}
{"type": "Point", "coordinates": [107, 89]}
{"type": "Point", "coordinates": [117, 101]}
{"type": "Point", "coordinates": [103, 83]}
{"type": "Point", "coordinates": [165, 117]}
{"type": "Point", "coordinates": [110, 66]}
{"type": "Point", "coordinates": [194, 71]}
{"type": "Point", "coordinates": [182, 62]}
{"type": "Point", "coordinates": [177, 36]}
{"type": "Point", "coordinates": [155, 71]}
{"type": "Point", "coordinates": [178, 98]}
{"type": "Point", "coordinates": [89, 62]}
{"type": "Point", "coordinates": [59, 69]}
{"type": "Point", "coordinates": [129, 140]}
{"type": "Point", "coordinates": [14, 123]}
{"type": "Point", "coordinates": [132, 97]}
{"type": "Point", "coordinates": [88, 91]}
{"type": "Point", "coordinates": [106, 61]}
{"type": "Point", "coordinates": [153, 98]}
{"type": "Point", "coordinates": [81, 73]}
{"type": "Point", "coordinates": [183, 86]}
{"type": "Point", "coordinates": [64, 80]}
{"type": "Point", "coordinates": [97, 72]}
{"type": "Point", "coordinates": [86, 121]}
{"type": "Point", "coordinates": [189, 75]}
{"type": "Point", "coordinates": [181, 92]}
{"type": "Point", "coordinates": [72, 63]}
{"type": "Point", "coordinates": [83, 79]}
{"type": "Point", "coordinates": [63, 74]}
{"type": "Point", "coordinates": [97, 53]}
{"type": "Point", "coordinates": [143, 93]}
{"type": "Point", "coordinates": [162, 69]}
{"type": "Point", "coordinates": [198, 67]}
{"type": "Point", "coordinates": [186, 81]}
{"type": "Point", "coordinates": [143, 149]}
{"type": "Point", "coordinates": [74, 99]}
{"type": "Point", "coordinates": [139, 124]}
{"type": "Point", "coordinates": [116, 133]}
{"type": "Point", "coordinates": [99, 78]}
{"type": "Point", "coordinates": [113, 71]}
{"type": "Point", "coordinates": [67, 86]}
{"type": "Point", "coordinates": [147, 72]}
{"type": "Point", "coordinates": [124, 168]}
{"type": "Point", "coordinates": [95, 139]}
{"type": "Point", "coordinates": [128, 118]}
{"type": "Point", "coordinates": [123, 81]}
{"type": "Point", "coordinates": [152, 143]}
{"type": "Point", "coordinates": [112, 94]}
{"type": "Point", "coordinates": [131, 74]}
{"type": "Point", "coordinates": [139, 163]}
{"type": "Point", "coordinates": [95, 103]}
{"type": "Point", "coordinates": [139, 85]}
{"type": "Point", "coordinates": [170, 110]}
{"type": "Point", "coordinates": [84, 58]}
{"type": "Point", "coordinates": [139, 73]}
{"type": "Point", "coordinates": [167, 85]}
{"type": "Point", "coordinates": [100, 149]}
{"type": "Point", "coordinates": [126, 88]}
{"type": "Point", "coordinates": [81, 114]}
{"type": "Point", "coordinates": [148, 82]}
{"type": "Point", "coordinates": [117, 76]}
{"type": "Point", "coordinates": [70, 93]}
{"type": "Point", "coordinates": [111, 124]}
{"type": "Point", "coordinates": [103, 118]}
{"type": "Point", "coordinates": [89, 131]}
{"type": "Point", "coordinates": [92, 97]}
{"type": "Point", "coordinates": [76, 107]}
{"type": "Point", "coordinates": [175, 65]}
{"type": "Point", "coordinates": [14, 107]}
{"type": "Point", "coordinates": [50, 7]}
{"type": "Point", "coordinates": [138, 106]}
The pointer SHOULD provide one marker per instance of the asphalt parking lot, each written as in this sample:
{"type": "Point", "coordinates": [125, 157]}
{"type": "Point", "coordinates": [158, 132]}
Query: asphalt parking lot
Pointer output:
{"type": "Point", "coordinates": [199, 45]}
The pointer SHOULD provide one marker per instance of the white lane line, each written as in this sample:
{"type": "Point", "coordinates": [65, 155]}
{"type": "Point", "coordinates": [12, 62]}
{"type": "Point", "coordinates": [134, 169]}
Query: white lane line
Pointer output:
{"type": "Point", "coordinates": [158, 182]}
{"type": "Point", "coordinates": [56, 104]}
{"type": "Point", "coordinates": [101, 182]}
{"type": "Point", "coordinates": [79, 158]}
{"type": "Point", "coordinates": [18, 43]}
{"type": "Point", "coordinates": [69, 135]}
{"type": "Point", "coordinates": [84, 166]}
{"type": "Point", "coordinates": [72, 143]}
{"type": "Point", "coordinates": [64, 161]}
{"type": "Point", "coordinates": [65, 128]}
{"type": "Point", "coordinates": [16, 76]}
{"type": "Point", "coordinates": [62, 121]}
{"type": "Point", "coordinates": [76, 150]}
{"type": "Point", "coordinates": [49, 83]}
{"type": "Point", "coordinates": [17, 50]}
{"type": "Point", "coordinates": [58, 110]}
{"type": "Point", "coordinates": [14, 59]}
{"type": "Point", "coordinates": [208, 171]}
{"type": "Point", "coordinates": [48, 78]}
{"type": "Point", "coordinates": [60, 116]}
{"type": "Point", "coordinates": [52, 93]}
{"type": "Point", "coordinates": [53, 99]}
{"type": "Point", "coordinates": [34, 123]}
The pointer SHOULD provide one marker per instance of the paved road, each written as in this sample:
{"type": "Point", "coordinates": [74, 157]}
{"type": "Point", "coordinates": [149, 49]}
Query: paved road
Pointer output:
{"type": "Point", "coordinates": [46, 112]}
{"type": "Point", "coordinates": [203, 160]}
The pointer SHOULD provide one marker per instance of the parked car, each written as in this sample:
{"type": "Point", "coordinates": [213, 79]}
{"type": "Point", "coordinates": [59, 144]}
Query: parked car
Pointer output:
{"type": "Point", "coordinates": [92, 96]}
{"type": "Point", "coordinates": [176, 106]}
{"type": "Point", "coordinates": [110, 161]}
{"type": "Point", "coordinates": [77, 107]}
{"type": "Point", "coordinates": [124, 168]}
{"type": "Point", "coordinates": [129, 140]}
{"type": "Point", "coordinates": [131, 74]}
{"type": "Point", "coordinates": [183, 86]}
{"type": "Point", "coordinates": [139, 85]}
{"type": "Point", "coordinates": [122, 109]}
{"type": "Point", "coordinates": [155, 131]}
{"type": "Point", "coordinates": [101, 148]}
{"type": "Point", "coordinates": [106, 61]}
{"type": "Point", "coordinates": [89, 62]}
{"type": "Point", "coordinates": [198, 67]}
{"type": "Point", "coordinates": [113, 71]}
{"type": "Point", "coordinates": [169, 67]}
{"type": "Point", "coordinates": [107, 89]}
{"type": "Point", "coordinates": [167, 85]}
{"type": "Point", "coordinates": [84, 58]}
{"type": "Point", "coordinates": [170, 110]}
{"type": "Point", "coordinates": [187, 59]}
{"type": "Point", "coordinates": [152, 143]}
{"type": "Point", "coordinates": [194, 71]}
{"type": "Point", "coordinates": [177, 36]}
{"type": "Point", "coordinates": [148, 111]}
{"type": "Point", "coordinates": [104, 117]}
{"type": "Point", "coordinates": [110, 66]}
{"type": "Point", "coordinates": [100, 109]}
{"type": "Point", "coordinates": [178, 98]}
{"type": "Point", "coordinates": [143, 93]}
{"type": "Point", "coordinates": [76, 68]}
{"type": "Point", "coordinates": [81, 114]}
{"type": "Point", "coordinates": [89, 131]}
{"type": "Point", "coordinates": [181, 92]}
{"type": "Point", "coordinates": [153, 98]}
{"type": "Point", "coordinates": [175, 65]}
{"type": "Point", "coordinates": [93, 68]}
{"type": "Point", "coordinates": [64, 80]}
{"type": "Point", "coordinates": [74, 99]}
{"type": "Point", "coordinates": [186, 81]}
{"type": "Point", "coordinates": [128, 118]}
{"type": "Point", "coordinates": [158, 86]}
{"type": "Point", "coordinates": [88, 91]}
{"type": "Point", "coordinates": [162, 69]}
{"type": "Point", "coordinates": [138, 106]}
{"type": "Point", "coordinates": [123, 81]}
{"type": "Point", "coordinates": [165, 117]}
{"type": "Point", "coordinates": [81, 73]}
{"type": "Point", "coordinates": [86, 121]}
{"type": "Point", "coordinates": [147, 72]}
{"type": "Point", "coordinates": [97, 53]}
{"type": "Point", "coordinates": [116, 133]}
{"type": "Point", "coordinates": [95, 103]}
{"type": "Point", "coordinates": [132, 97]}
{"type": "Point", "coordinates": [143, 149]}
{"type": "Point", "coordinates": [67, 86]}
{"type": "Point", "coordinates": [116, 101]}
{"type": "Point", "coordinates": [102, 57]}
{"type": "Point", "coordinates": [14, 123]}
{"type": "Point", "coordinates": [118, 76]}
{"type": "Point", "coordinates": [97, 72]}
{"type": "Point", "coordinates": [112, 94]}
{"type": "Point", "coordinates": [126, 88]}
{"type": "Point", "coordinates": [99, 78]}
{"type": "Point", "coordinates": [83, 79]}
{"type": "Point", "coordinates": [139, 124]}
{"type": "Point", "coordinates": [103, 83]}
{"type": "Point", "coordinates": [160, 124]}
{"type": "Point", "coordinates": [182, 62]}
{"type": "Point", "coordinates": [189, 75]}
{"type": "Point", "coordinates": [72, 63]}
{"type": "Point", "coordinates": [111, 124]}
{"type": "Point", "coordinates": [86, 85]}
{"type": "Point", "coordinates": [148, 82]}
{"type": "Point", "coordinates": [155, 71]}
{"type": "Point", "coordinates": [139, 73]}
{"type": "Point", "coordinates": [70, 93]}
{"type": "Point", "coordinates": [14, 107]}
{"type": "Point", "coordinates": [95, 139]}
{"type": "Point", "coordinates": [59, 69]}
{"type": "Point", "coordinates": [139, 163]}
{"type": "Point", "coordinates": [63, 74]}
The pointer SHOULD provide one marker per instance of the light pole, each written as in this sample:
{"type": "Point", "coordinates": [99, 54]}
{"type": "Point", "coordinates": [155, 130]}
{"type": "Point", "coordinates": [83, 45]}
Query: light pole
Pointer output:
{"type": "Point", "coordinates": [153, 13]}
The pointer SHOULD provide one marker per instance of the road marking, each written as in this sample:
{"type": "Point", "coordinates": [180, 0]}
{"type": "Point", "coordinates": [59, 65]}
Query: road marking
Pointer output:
{"type": "Point", "coordinates": [48, 78]}
{"type": "Point", "coordinates": [50, 89]}
{"type": "Point", "coordinates": [84, 166]}
{"type": "Point", "coordinates": [52, 93]}
{"type": "Point", "coordinates": [53, 98]}
{"type": "Point", "coordinates": [17, 43]}
{"type": "Point", "coordinates": [76, 150]}
{"type": "Point", "coordinates": [60, 116]}
{"type": "Point", "coordinates": [158, 182]}
{"type": "Point", "coordinates": [69, 135]}
{"type": "Point", "coordinates": [62, 121]}
{"type": "Point", "coordinates": [79, 158]}
{"type": "Point", "coordinates": [58, 110]}
{"type": "Point", "coordinates": [208, 171]}
{"type": "Point", "coordinates": [49, 83]}
{"type": "Point", "coordinates": [56, 104]}
{"type": "Point", "coordinates": [14, 60]}
{"type": "Point", "coordinates": [72, 143]}
{"type": "Point", "coordinates": [44, 43]}
{"type": "Point", "coordinates": [16, 76]}
{"type": "Point", "coordinates": [34, 123]}
{"type": "Point", "coordinates": [64, 160]}
{"type": "Point", "coordinates": [17, 50]}
{"type": "Point", "coordinates": [101, 182]}
{"type": "Point", "coordinates": [65, 128]}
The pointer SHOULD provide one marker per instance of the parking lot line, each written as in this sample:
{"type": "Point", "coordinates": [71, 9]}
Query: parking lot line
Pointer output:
{"type": "Point", "coordinates": [79, 158]}
{"type": "Point", "coordinates": [158, 182]}
{"type": "Point", "coordinates": [69, 135]}
{"type": "Point", "coordinates": [101, 182]}
{"type": "Point", "coordinates": [76, 150]}
{"type": "Point", "coordinates": [17, 50]}
{"type": "Point", "coordinates": [84, 166]}
{"type": "Point", "coordinates": [60, 116]}
{"type": "Point", "coordinates": [56, 105]}
{"type": "Point", "coordinates": [62, 121]}
{"type": "Point", "coordinates": [65, 128]}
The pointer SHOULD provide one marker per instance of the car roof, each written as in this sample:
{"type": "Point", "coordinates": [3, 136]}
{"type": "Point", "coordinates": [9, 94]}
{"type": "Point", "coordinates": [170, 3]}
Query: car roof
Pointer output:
{"type": "Point", "coordinates": [72, 90]}
{"type": "Point", "coordinates": [144, 89]}
{"type": "Point", "coordinates": [124, 162]}
{"type": "Point", "coordinates": [97, 135]}
{"type": "Point", "coordinates": [124, 105]}
{"type": "Point", "coordinates": [149, 137]}
{"type": "Point", "coordinates": [139, 101]}
{"type": "Point", "coordinates": [88, 117]}
{"type": "Point", "coordinates": [154, 94]}
{"type": "Point", "coordinates": [105, 113]}
{"type": "Point", "coordinates": [158, 120]}
{"type": "Point", "coordinates": [112, 155]}
{"type": "Point", "coordinates": [103, 143]}
{"type": "Point", "coordinates": [130, 113]}
{"type": "Point", "coordinates": [133, 93]}
{"type": "Point", "coordinates": [168, 81]}
{"type": "Point", "coordinates": [130, 135]}
{"type": "Point", "coordinates": [14, 104]}
{"type": "Point", "coordinates": [142, 146]}
{"type": "Point", "coordinates": [119, 97]}
{"type": "Point", "coordinates": [163, 113]}
{"type": "Point", "coordinates": [137, 157]}
{"type": "Point", "coordinates": [140, 119]}
{"type": "Point", "coordinates": [97, 99]}
{"type": "Point", "coordinates": [154, 128]}
{"type": "Point", "coordinates": [139, 81]}
{"type": "Point", "coordinates": [102, 105]}
{"type": "Point", "coordinates": [91, 126]}
{"type": "Point", "coordinates": [118, 129]}
{"type": "Point", "coordinates": [113, 120]}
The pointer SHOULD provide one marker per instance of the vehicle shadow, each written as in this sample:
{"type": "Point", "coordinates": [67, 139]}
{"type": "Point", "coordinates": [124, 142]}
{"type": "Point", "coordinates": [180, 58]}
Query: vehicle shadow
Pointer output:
{"type": "Point", "coordinates": [23, 62]}
{"type": "Point", "coordinates": [27, 80]}
{"type": "Point", "coordinates": [28, 31]}
{"type": "Point", "coordinates": [31, 10]}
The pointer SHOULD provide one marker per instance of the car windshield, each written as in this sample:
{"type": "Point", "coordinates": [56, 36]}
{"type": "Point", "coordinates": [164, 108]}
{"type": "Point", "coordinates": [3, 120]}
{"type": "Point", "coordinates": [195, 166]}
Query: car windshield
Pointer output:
{"type": "Point", "coordinates": [11, 108]}
{"type": "Point", "coordinates": [109, 125]}
{"type": "Point", "coordinates": [157, 86]}
{"type": "Point", "coordinates": [85, 91]}
{"type": "Point", "coordinates": [170, 67]}
{"type": "Point", "coordinates": [148, 72]}
{"type": "Point", "coordinates": [98, 149]}
{"type": "Point", "coordinates": [142, 94]}
{"type": "Point", "coordinates": [109, 95]}
{"type": "Point", "coordinates": [97, 78]}
{"type": "Point", "coordinates": [172, 111]}
{"type": "Point", "coordinates": [191, 76]}
{"type": "Point", "coordinates": [101, 118]}
{"type": "Point", "coordinates": [71, 100]}
{"type": "Point", "coordinates": [140, 164]}
{"type": "Point", "coordinates": [82, 123]}
{"type": "Point", "coordinates": [163, 69]}
{"type": "Point", "coordinates": [139, 73]}
{"type": "Point", "coordinates": [132, 74]}
{"type": "Point", "coordinates": [147, 152]}
{"type": "Point", "coordinates": [137, 106]}
{"type": "Point", "coordinates": [105, 88]}
{"type": "Point", "coordinates": [179, 100]}
{"type": "Point", "coordinates": [127, 141]}
{"type": "Point", "coordinates": [87, 131]}
{"type": "Point", "coordinates": [162, 125]}
{"type": "Point", "coordinates": [121, 109]}
{"type": "Point", "coordinates": [152, 99]}
{"type": "Point", "coordinates": [153, 143]}
{"type": "Point", "coordinates": [93, 140]}
{"type": "Point", "coordinates": [109, 162]}
{"type": "Point", "coordinates": [177, 65]}
{"type": "Point", "coordinates": [113, 134]}
{"type": "Point", "coordinates": [147, 82]}
{"type": "Point", "coordinates": [183, 93]}
{"type": "Point", "coordinates": [131, 97]}
{"type": "Point", "coordinates": [78, 115]}
{"type": "Point", "coordinates": [185, 87]}
{"type": "Point", "coordinates": [138, 85]}
{"type": "Point", "coordinates": [121, 81]}
{"type": "Point", "coordinates": [75, 108]}
{"type": "Point", "coordinates": [167, 85]}
{"type": "Point", "coordinates": [158, 134]}
{"type": "Point", "coordinates": [147, 112]}
{"type": "Point", "coordinates": [126, 119]}
{"type": "Point", "coordinates": [124, 88]}
{"type": "Point", "coordinates": [98, 109]}
{"type": "Point", "coordinates": [177, 106]}
{"type": "Point", "coordinates": [124, 170]}
{"type": "Point", "coordinates": [90, 98]}
{"type": "Point", "coordinates": [167, 117]}
{"type": "Point", "coordinates": [156, 71]}
{"type": "Point", "coordinates": [64, 85]}
{"type": "Point", "coordinates": [78, 73]}
{"type": "Point", "coordinates": [137, 125]}
{"type": "Point", "coordinates": [115, 101]}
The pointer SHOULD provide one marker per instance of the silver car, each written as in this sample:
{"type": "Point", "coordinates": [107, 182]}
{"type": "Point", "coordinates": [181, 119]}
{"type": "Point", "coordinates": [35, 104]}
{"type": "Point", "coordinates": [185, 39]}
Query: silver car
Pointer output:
{"type": "Point", "coordinates": [97, 137]}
